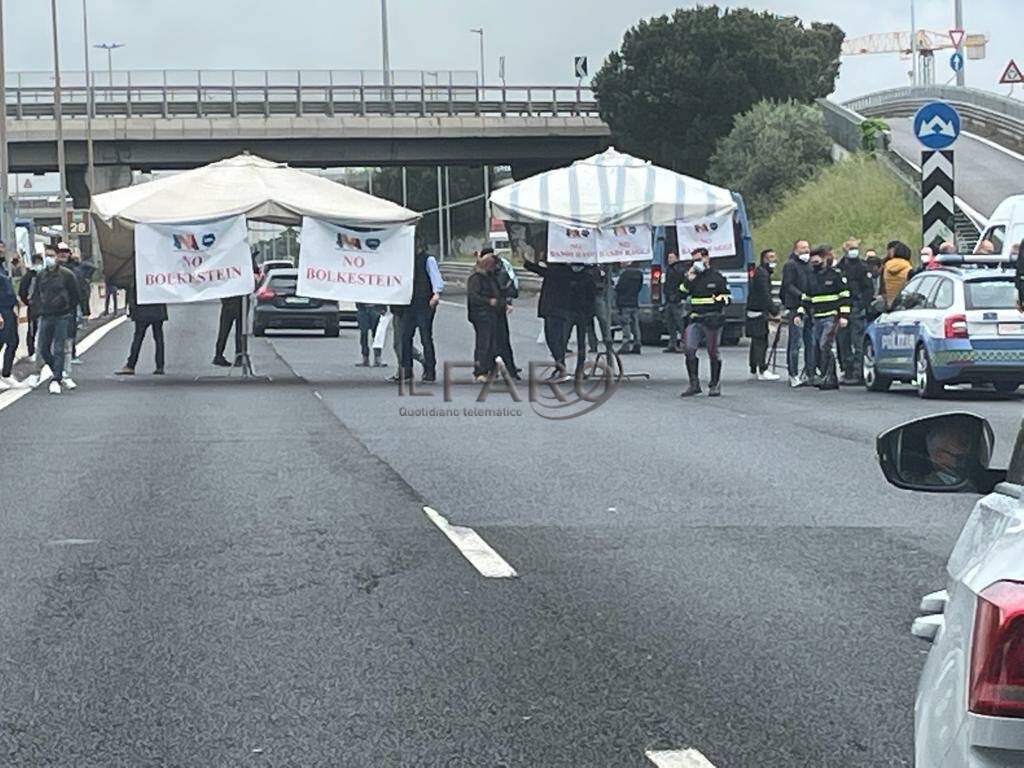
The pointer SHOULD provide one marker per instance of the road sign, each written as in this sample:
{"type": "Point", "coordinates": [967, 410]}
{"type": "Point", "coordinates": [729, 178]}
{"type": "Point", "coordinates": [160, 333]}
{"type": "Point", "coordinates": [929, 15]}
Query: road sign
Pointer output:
{"type": "Point", "coordinates": [956, 36]}
{"type": "Point", "coordinates": [956, 61]}
{"type": "Point", "coordinates": [936, 125]}
{"type": "Point", "coordinates": [580, 66]}
{"type": "Point", "coordinates": [1012, 75]}
{"type": "Point", "coordinates": [937, 197]}
{"type": "Point", "coordinates": [77, 223]}
{"type": "Point", "coordinates": [28, 184]}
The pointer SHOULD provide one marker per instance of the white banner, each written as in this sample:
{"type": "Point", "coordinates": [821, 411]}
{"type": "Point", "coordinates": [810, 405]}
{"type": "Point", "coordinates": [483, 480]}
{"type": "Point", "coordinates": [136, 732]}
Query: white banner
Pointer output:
{"type": "Point", "coordinates": [179, 263]}
{"type": "Point", "coordinates": [343, 264]}
{"type": "Point", "coordinates": [599, 246]}
{"type": "Point", "coordinates": [712, 232]}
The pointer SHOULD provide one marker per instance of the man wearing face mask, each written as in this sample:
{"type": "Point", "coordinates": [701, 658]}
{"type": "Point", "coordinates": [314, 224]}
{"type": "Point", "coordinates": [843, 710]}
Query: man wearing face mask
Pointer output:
{"type": "Point", "coordinates": [862, 293]}
{"type": "Point", "coordinates": [8, 322]}
{"type": "Point", "coordinates": [707, 294]}
{"type": "Point", "coordinates": [796, 275]}
{"type": "Point", "coordinates": [760, 307]}
{"type": "Point", "coordinates": [26, 294]}
{"type": "Point", "coordinates": [827, 304]}
{"type": "Point", "coordinates": [57, 292]}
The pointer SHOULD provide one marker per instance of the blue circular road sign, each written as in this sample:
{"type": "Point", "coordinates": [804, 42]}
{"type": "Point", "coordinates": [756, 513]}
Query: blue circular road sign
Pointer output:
{"type": "Point", "coordinates": [937, 125]}
{"type": "Point", "coordinates": [956, 61]}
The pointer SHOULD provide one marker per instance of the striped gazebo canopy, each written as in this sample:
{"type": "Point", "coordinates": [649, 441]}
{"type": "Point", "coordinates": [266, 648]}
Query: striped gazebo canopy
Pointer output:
{"type": "Point", "coordinates": [607, 190]}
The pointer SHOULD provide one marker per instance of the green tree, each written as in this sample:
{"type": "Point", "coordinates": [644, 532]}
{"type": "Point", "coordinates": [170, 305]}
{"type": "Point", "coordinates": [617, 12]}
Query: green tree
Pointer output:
{"type": "Point", "coordinates": [771, 150]}
{"type": "Point", "coordinates": [671, 90]}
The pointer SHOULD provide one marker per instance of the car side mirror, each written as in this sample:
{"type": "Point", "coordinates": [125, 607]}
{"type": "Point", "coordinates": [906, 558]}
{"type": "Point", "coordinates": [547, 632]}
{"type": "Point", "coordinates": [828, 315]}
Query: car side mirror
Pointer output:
{"type": "Point", "coordinates": [948, 453]}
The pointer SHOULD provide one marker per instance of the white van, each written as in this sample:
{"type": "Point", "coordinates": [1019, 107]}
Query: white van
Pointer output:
{"type": "Point", "coordinates": [1005, 227]}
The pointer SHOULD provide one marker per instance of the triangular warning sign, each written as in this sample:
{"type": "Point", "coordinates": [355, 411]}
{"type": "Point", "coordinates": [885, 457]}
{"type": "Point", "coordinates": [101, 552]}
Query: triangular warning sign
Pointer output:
{"type": "Point", "coordinates": [956, 36]}
{"type": "Point", "coordinates": [1012, 74]}
{"type": "Point", "coordinates": [28, 183]}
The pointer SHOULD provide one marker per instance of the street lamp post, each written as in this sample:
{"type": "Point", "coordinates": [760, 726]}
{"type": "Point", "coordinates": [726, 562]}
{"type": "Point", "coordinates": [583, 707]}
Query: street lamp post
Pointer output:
{"type": "Point", "coordinates": [59, 123]}
{"type": "Point", "coordinates": [109, 48]}
{"type": "Point", "coordinates": [958, 11]}
{"type": "Point", "coordinates": [386, 54]}
{"type": "Point", "coordinates": [913, 43]}
{"type": "Point", "coordinates": [5, 232]}
{"type": "Point", "coordinates": [89, 102]}
{"type": "Point", "coordinates": [483, 74]}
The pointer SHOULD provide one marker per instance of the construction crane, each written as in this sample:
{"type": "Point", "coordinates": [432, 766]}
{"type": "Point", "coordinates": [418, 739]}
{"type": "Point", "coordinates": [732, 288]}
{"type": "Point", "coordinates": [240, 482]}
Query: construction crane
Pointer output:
{"type": "Point", "coordinates": [903, 43]}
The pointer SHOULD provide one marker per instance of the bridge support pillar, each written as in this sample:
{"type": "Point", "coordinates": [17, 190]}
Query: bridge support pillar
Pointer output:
{"type": "Point", "coordinates": [524, 169]}
{"type": "Point", "coordinates": [108, 177]}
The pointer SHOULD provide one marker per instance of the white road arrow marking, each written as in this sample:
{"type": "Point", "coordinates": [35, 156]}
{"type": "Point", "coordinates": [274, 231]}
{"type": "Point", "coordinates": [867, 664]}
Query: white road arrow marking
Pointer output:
{"type": "Point", "coordinates": [678, 758]}
{"type": "Point", "coordinates": [479, 553]}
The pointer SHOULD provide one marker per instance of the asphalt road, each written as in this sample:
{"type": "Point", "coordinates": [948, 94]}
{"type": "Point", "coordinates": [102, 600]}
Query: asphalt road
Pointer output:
{"type": "Point", "coordinates": [223, 573]}
{"type": "Point", "coordinates": [985, 176]}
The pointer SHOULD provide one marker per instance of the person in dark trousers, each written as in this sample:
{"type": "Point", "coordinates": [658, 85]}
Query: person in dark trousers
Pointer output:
{"type": "Point", "coordinates": [627, 299]}
{"type": "Point", "coordinates": [796, 275]}
{"type": "Point", "coordinates": [230, 317]}
{"type": "Point", "coordinates": [397, 311]}
{"type": "Point", "coordinates": [602, 309]}
{"type": "Point", "coordinates": [145, 316]}
{"type": "Point", "coordinates": [427, 286]}
{"type": "Point", "coordinates": [761, 307]}
{"type": "Point", "coordinates": [1019, 277]}
{"type": "Point", "coordinates": [674, 311]}
{"type": "Point", "coordinates": [484, 304]}
{"type": "Point", "coordinates": [368, 317]}
{"type": "Point", "coordinates": [707, 294]}
{"type": "Point", "coordinates": [26, 294]}
{"type": "Point", "coordinates": [110, 296]}
{"type": "Point", "coordinates": [8, 322]}
{"type": "Point", "coordinates": [827, 302]}
{"type": "Point", "coordinates": [553, 308]}
{"type": "Point", "coordinates": [581, 305]}
{"type": "Point", "coordinates": [67, 258]}
{"type": "Point", "coordinates": [505, 278]}
{"type": "Point", "coordinates": [57, 292]}
{"type": "Point", "coordinates": [862, 294]}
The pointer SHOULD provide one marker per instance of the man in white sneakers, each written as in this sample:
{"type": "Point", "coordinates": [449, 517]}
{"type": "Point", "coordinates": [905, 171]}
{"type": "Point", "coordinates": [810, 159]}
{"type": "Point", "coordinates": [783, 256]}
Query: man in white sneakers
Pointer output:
{"type": "Point", "coordinates": [57, 294]}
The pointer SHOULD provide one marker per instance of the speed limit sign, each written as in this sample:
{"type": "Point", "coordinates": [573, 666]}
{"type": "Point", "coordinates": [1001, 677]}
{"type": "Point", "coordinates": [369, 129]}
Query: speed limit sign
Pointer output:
{"type": "Point", "coordinates": [77, 223]}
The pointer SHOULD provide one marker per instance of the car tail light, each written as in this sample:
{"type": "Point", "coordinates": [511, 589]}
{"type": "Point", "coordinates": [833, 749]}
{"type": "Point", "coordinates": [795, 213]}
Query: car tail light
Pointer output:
{"type": "Point", "coordinates": [265, 293]}
{"type": "Point", "coordinates": [655, 285]}
{"type": "Point", "coordinates": [997, 652]}
{"type": "Point", "coordinates": [956, 327]}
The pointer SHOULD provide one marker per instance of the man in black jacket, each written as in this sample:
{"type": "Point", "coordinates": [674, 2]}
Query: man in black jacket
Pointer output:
{"type": "Point", "coordinates": [760, 307]}
{"type": "Point", "coordinates": [862, 293]}
{"type": "Point", "coordinates": [795, 280]}
{"type": "Point", "coordinates": [27, 296]}
{"type": "Point", "coordinates": [427, 285]}
{"type": "Point", "coordinates": [484, 303]}
{"type": "Point", "coordinates": [707, 294]}
{"type": "Point", "coordinates": [627, 300]}
{"type": "Point", "coordinates": [674, 311]}
{"type": "Point", "coordinates": [504, 278]}
{"type": "Point", "coordinates": [145, 316]}
{"type": "Point", "coordinates": [57, 292]}
{"type": "Point", "coordinates": [827, 302]}
{"type": "Point", "coordinates": [553, 307]}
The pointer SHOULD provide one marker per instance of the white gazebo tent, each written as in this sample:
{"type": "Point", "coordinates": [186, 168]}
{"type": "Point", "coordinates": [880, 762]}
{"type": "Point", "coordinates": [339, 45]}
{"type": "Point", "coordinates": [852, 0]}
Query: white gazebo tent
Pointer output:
{"type": "Point", "coordinates": [259, 189]}
{"type": "Point", "coordinates": [608, 190]}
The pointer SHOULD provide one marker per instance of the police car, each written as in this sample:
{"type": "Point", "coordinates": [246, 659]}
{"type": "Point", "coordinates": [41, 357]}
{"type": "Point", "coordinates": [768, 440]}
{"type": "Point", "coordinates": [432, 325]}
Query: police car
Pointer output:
{"type": "Point", "coordinates": [955, 325]}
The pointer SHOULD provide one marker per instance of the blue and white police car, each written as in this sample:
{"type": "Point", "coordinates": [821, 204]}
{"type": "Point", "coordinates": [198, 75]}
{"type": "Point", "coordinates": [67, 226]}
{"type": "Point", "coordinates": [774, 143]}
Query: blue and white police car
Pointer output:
{"type": "Point", "coordinates": [958, 324]}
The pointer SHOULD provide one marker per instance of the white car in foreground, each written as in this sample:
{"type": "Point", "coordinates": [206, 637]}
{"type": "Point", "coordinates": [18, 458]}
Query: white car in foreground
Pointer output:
{"type": "Point", "coordinates": [970, 702]}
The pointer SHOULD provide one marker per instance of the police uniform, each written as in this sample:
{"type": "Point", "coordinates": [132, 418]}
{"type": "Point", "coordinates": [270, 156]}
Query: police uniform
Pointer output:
{"type": "Point", "coordinates": [827, 301]}
{"type": "Point", "coordinates": [707, 296]}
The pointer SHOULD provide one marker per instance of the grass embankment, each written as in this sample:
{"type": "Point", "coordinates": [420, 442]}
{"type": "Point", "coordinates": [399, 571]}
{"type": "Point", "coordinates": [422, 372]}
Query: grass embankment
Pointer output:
{"type": "Point", "coordinates": [853, 198]}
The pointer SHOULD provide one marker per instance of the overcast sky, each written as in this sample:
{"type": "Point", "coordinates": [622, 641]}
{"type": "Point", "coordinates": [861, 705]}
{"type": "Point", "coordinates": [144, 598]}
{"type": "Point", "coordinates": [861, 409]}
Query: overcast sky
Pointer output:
{"type": "Point", "coordinates": [538, 37]}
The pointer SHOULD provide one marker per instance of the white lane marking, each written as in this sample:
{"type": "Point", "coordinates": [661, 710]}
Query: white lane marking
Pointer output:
{"type": "Point", "coordinates": [72, 542]}
{"type": "Point", "coordinates": [479, 553]}
{"type": "Point", "coordinates": [452, 303]}
{"type": "Point", "coordinates": [993, 145]}
{"type": "Point", "coordinates": [10, 397]}
{"type": "Point", "coordinates": [678, 758]}
{"type": "Point", "coordinates": [318, 396]}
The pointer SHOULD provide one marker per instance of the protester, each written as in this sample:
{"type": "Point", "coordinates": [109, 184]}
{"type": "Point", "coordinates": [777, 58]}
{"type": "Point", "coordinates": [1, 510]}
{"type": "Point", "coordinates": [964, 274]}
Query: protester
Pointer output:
{"type": "Point", "coordinates": [368, 318]}
{"type": "Point", "coordinates": [827, 303]}
{"type": "Point", "coordinates": [145, 316]}
{"type": "Point", "coordinates": [581, 306]}
{"type": "Point", "coordinates": [862, 294]}
{"type": "Point", "coordinates": [395, 328]}
{"type": "Point", "coordinates": [707, 293]}
{"type": "Point", "coordinates": [602, 309]}
{"type": "Point", "coordinates": [57, 292]}
{"type": "Point", "coordinates": [895, 271]}
{"type": "Point", "coordinates": [1019, 277]}
{"type": "Point", "coordinates": [484, 304]}
{"type": "Point", "coordinates": [796, 275]}
{"type": "Point", "coordinates": [553, 308]}
{"type": "Point", "coordinates": [504, 275]}
{"type": "Point", "coordinates": [26, 295]}
{"type": "Point", "coordinates": [8, 322]}
{"type": "Point", "coordinates": [986, 248]}
{"type": "Point", "coordinates": [926, 256]}
{"type": "Point", "coordinates": [674, 311]}
{"type": "Point", "coordinates": [230, 317]}
{"type": "Point", "coordinates": [760, 308]}
{"type": "Point", "coordinates": [427, 286]}
{"type": "Point", "coordinates": [109, 297]}
{"type": "Point", "coordinates": [627, 300]}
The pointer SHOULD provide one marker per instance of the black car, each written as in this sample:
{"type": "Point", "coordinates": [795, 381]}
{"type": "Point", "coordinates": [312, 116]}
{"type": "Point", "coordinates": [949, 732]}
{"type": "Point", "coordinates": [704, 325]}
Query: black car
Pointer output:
{"type": "Point", "coordinates": [279, 307]}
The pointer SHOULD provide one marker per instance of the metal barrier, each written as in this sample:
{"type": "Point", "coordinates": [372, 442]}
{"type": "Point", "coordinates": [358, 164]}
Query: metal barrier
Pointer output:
{"type": "Point", "coordinates": [204, 100]}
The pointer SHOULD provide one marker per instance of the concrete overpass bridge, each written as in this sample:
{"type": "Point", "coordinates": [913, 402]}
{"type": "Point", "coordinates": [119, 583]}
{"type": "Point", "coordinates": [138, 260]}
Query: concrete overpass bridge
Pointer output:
{"type": "Point", "coordinates": [314, 121]}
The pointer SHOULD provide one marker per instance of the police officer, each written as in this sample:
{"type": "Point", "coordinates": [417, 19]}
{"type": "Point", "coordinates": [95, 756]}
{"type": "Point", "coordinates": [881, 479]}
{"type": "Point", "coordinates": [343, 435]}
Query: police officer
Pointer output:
{"type": "Point", "coordinates": [862, 293]}
{"type": "Point", "coordinates": [827, 303]}
{"type": "Point", "coordinates": [707, 294]}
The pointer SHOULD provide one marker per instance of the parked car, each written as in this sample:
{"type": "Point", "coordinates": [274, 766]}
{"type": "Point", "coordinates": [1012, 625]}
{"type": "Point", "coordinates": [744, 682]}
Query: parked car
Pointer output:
{"type": "Point", "coordinates": [270, 264]}
{"type": "Point", "coordinates": [954, 325]}
{"type": "Point", "coordinates": [278, 306]}
{"type": "Point", "coordinates": [969, 711]}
